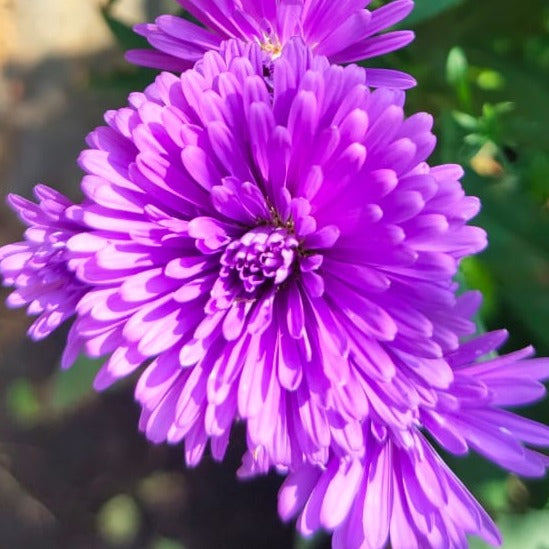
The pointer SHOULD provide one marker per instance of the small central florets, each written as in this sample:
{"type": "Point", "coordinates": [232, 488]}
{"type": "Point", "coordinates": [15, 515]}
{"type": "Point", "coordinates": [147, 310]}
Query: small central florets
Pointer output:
{"type": "Point", "coordinates": [271, 45]}
{"type": "Point", "coordinates": [264, 254]}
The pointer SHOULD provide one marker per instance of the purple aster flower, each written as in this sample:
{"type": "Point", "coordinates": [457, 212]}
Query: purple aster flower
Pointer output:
{"type": "Point", "coordinates": [37, 267]}
{"type": "Point", "coordinates": [276, 250]}
{"type": "Point", "coordinates": [400, 489]}
{"type": "Point", "coordinates": [343, 31]}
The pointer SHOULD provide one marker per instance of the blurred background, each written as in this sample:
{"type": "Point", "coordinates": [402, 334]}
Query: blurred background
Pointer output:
{"type": "Point", "coordinates": [74, 473]}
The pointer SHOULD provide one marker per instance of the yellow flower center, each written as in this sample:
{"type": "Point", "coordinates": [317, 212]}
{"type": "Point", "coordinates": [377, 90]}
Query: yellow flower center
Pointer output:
{"type": "Point", "coordinates": [271, 45]}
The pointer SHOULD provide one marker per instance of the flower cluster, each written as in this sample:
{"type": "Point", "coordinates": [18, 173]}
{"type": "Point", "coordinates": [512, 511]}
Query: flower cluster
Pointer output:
{"type": "Point", "coordinates": [263, 235]}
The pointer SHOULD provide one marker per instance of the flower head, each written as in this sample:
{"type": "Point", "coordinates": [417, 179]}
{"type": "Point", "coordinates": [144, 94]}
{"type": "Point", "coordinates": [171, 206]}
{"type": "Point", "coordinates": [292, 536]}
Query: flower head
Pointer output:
{"type": "Point", "coordinates": [37, 267]}
{"type": "Point", "coordinates": [400, 489]}
{"type": "Point", "coordinates": [278, 250]}
{"type": "Point", "coordinates": [343, 31]}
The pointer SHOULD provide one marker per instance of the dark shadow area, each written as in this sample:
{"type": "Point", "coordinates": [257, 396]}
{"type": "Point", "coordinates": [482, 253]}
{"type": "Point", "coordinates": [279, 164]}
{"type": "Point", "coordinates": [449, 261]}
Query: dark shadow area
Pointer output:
{"type": "Point", "coordinates": [54, 479]}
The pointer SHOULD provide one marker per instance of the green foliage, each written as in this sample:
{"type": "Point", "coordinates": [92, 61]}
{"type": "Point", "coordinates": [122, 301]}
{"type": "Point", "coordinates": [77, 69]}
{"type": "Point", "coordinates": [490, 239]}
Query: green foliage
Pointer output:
{"type": "Point", "coordinates": [490, 80]}
{"type": "Point", "coordinates": [126, 78]}
{"type": "Point", "coordinates": [457, 74]}
{"type": "Point", "coordinates": [475, 275]}
{"type": "Point", "coordinates": [125, 37]}
{"type": "Point", "coordinates": [427, 9]}
{"type": "Point", "coordinates": [527, 531]}
{"type": "Point", "coordinates": [22, 403]}
{"type": "Point", "coordinates": [71, 387]}
{"type": "Point", "coordinates": [485, 128]}
{"type": "Point", "coordinates": [119, 520]}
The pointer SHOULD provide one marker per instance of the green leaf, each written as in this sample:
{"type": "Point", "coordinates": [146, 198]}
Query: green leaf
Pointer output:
{"type": "Point", "coordinates": [490, 80]}
{"type": "Point", "coordinates": [528, 89]}
{"type": "Point", "coordinates": [518, 254]}
{"type": "Point", "coordinates": [456, 66]}
{"type": "Point", "coordinates": [493, 494]}
{"type": "Point", "coordinates": [466, 121]}
{"type": "Point", "coordinates": [119, 520]}
{"type": "Point", "coordinates": [475, 276]}
{"type": "Point", "coordinates": [123, 81]}
{"type": "Point", "coordinates": [527, 531]}
{"type": "Point", "coordinates": [21, 402]}
{"type": "Point", "coordinates": [426, 9]}
{"type": "Point", "coordinates": [483, 478]}
{"type": "Point", "coordinates": [457, 75]}
{"type": "Point", "coordinates": [70, 387]}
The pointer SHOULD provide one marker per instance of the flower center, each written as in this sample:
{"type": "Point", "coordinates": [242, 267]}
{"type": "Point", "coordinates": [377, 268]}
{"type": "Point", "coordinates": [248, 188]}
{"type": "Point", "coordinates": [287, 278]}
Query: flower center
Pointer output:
{"type": "Point", "coordinates": [264, 254]}
{"type": "Point", "coordinates": [271, 45]}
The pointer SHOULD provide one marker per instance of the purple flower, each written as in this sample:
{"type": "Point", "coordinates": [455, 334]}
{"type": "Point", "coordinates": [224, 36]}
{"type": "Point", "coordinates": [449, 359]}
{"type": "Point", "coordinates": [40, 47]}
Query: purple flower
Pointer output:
{"type": "Point", "coordinates": [277, 251]}
{"type": "Point", "coordinates": [400, 489]}
{"type": "Point", "coordinates": [37, 267]}
{"type": "Point", "coordinates": [343, 31]}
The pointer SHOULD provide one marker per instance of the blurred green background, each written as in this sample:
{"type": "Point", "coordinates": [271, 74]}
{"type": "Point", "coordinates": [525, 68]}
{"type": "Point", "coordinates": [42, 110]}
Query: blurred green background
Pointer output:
{"type": "Point", "coordinates": [73, 471]}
